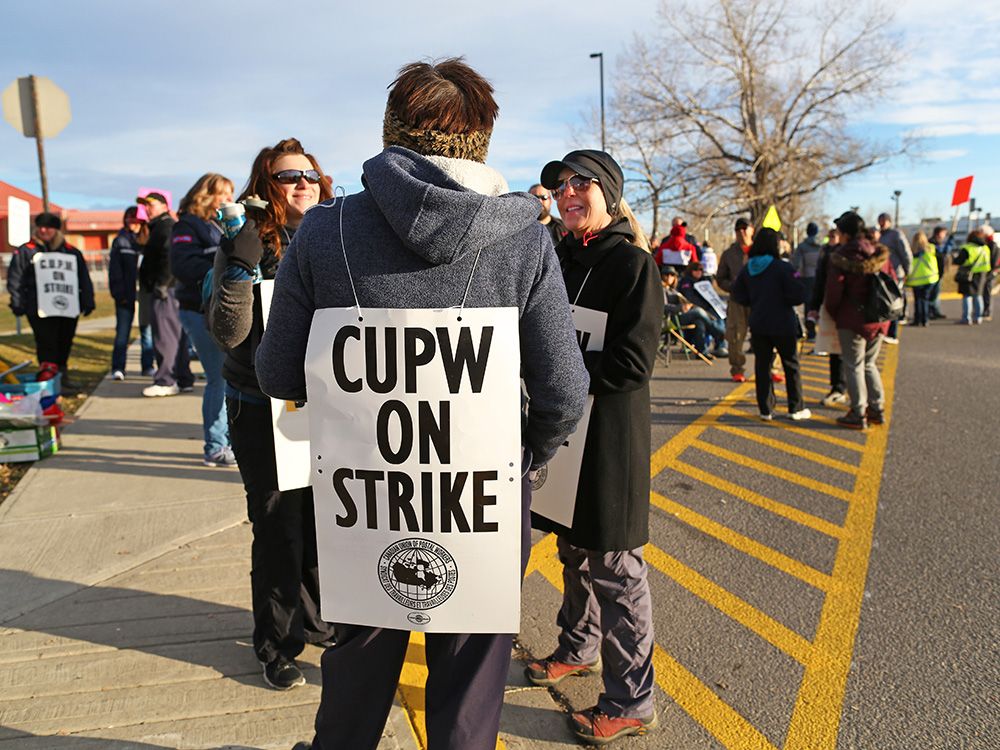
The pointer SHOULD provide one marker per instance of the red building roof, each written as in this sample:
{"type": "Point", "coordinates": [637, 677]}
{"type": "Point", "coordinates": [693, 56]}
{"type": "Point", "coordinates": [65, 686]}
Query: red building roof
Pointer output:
{"type": "Point", "coordinates": [34, 202]}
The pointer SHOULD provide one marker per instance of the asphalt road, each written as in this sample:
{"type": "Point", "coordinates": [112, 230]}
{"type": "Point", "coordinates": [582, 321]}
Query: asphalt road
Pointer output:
{"type": "Point", "coordinates": [815, 588]}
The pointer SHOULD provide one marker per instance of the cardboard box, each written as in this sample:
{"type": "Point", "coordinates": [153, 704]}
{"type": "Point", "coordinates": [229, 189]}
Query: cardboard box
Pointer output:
{"type": "Point", "coordinates": [18, 444]}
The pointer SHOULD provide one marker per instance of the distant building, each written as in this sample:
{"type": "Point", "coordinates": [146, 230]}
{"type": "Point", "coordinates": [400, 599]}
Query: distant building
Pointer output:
{"type": "Point", "coordinates": [85, 230]}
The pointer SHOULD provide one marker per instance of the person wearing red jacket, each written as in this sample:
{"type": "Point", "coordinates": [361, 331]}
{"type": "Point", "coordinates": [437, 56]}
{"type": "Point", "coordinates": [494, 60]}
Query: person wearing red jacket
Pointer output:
{"type": "Point", "coordinates": [852, 265]}
{"type": "Point", "coordinates": [676, 250]}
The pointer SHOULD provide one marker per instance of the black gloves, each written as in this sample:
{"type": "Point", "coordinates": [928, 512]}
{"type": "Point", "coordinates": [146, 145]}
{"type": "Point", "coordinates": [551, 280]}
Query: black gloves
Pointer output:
{"type": "Point", "coordinates": [245, 250]}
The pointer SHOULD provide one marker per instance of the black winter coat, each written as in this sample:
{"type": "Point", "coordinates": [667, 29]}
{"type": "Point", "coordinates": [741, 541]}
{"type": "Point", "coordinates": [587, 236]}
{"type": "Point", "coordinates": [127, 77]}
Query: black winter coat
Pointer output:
{"type": "Point", "coordinates": [612, 499]}
{"type": "Point", "coordinates": [193, 244]}
{"type": "Point", "coordinates": [154, 273]}
{"type": "Point", "coordinates": [21, 276]}
{"type": "Point", "coordinates": [123, 268]}
{"type": "Point", "coordinates": [772, 295]}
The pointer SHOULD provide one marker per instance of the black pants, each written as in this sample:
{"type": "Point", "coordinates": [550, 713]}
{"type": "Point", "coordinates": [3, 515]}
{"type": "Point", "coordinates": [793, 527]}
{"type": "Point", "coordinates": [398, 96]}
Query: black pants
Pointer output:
{"type": "Point", "coordinates": [837, 381]}
{"type": "Point", "coordinates": [284, 574]}
{"type": "Point", "coordinates": [53, 339]}
{"type": "Point", "coordinates": [763, 352]}
{"type": "Point", "coordinates": [988, 293]}
{"type": "Point", "coordinates": [464, 690]}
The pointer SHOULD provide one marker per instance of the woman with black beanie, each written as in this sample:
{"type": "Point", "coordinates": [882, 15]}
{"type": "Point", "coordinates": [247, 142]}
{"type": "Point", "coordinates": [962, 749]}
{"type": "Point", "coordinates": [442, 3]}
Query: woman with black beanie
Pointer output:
{"type": "Point", "coordinates": [772, 289]}
{"type": "Point", "coordinates": [607, 612]}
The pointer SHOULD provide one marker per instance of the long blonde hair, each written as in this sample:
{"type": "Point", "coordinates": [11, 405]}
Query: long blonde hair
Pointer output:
{"type": "Point", "coordinates": [625, 212]}
{"type": "Point", "coordinates": [920, 242]}
{"type": "Point", "coordinates": [200, 199]}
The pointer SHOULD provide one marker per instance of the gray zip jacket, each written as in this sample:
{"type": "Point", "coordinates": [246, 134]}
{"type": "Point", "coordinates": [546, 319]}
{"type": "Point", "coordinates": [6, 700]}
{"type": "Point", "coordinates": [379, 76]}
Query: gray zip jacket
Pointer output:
{"type": "Point", "coordinates": [412, 236]}
{"type": "Point", "coordinates": [806, 257]}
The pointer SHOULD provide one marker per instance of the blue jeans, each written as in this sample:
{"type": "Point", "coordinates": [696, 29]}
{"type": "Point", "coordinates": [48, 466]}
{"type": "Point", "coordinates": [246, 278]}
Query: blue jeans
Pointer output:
{"type": "Point", "coordinates": [972, 308]}
{"type": "Point", "coordinates": [934, 298]}
{"type": "Point", "coordinates": [124, 315]}
{"type": "Point", "coordinates": [213, 404]}
{"type": "Point", "coordinates": [705, 326]}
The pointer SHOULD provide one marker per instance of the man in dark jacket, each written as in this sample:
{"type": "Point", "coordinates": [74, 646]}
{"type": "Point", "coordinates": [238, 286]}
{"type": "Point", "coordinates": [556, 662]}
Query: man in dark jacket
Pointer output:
{"type": "Point", "coordinates": [852, 265]}
{"type": "Point", "coordinates": [901, 259]}
{"type": "Point", "coordinates": [171, 343]}
{"type": "Point", "coordinates": [943, 246]}
{"type": "Point", "coordinates": [413, 239]}
{"type": "Point", "coordinates": [555, 227]}
{"type": "Point", "coordinates": [54, 333]}
{"type": "Point", "coordinates": [804, 262]}
{"type": "Point", "coordinates": [730, 265]}
{"type": "Point", "coordinates": [123, 273]}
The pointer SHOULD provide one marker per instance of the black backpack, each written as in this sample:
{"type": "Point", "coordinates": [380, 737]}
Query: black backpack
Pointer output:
{"type": "Point", "coordinates": [885, 299]}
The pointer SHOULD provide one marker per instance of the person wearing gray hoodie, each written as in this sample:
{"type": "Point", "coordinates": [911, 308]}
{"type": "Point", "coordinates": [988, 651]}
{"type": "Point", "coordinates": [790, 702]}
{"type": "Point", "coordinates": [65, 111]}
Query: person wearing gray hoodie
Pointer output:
{"type": "Point", "coordinates": [432, 216]}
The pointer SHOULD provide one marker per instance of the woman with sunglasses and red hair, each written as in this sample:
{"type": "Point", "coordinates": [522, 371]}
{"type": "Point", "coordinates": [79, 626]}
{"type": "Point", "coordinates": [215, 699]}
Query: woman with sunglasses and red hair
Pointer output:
{"type": "Point", "coordinates": [284, 573]}
{"type": "Point", "coordinates": [607, 614]}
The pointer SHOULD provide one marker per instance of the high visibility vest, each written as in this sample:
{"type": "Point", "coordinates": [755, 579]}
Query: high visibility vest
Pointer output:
{"type": "Point", "coordinates": [978, 257]}
{"type": "Point", "coordinates": [924, 270]}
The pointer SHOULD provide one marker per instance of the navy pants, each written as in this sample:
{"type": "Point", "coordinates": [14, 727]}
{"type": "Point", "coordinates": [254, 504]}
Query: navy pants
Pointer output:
{"type": "Point", "coordinates": [465, 683]}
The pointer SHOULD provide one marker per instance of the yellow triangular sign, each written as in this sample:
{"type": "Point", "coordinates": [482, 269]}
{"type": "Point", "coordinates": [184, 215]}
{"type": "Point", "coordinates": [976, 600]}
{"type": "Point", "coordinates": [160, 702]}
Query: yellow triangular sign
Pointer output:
{"type": "Point", "coordinates": [771, 220]}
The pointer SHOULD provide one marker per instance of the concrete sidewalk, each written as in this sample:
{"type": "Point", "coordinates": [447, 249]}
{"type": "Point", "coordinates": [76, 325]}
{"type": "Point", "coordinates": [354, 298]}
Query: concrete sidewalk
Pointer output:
{"type": "Point", "coordinates": [125, 594]}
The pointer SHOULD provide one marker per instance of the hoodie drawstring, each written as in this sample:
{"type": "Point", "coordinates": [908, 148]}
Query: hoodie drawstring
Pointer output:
{"type": "Point", "coordinates": [588, 236]}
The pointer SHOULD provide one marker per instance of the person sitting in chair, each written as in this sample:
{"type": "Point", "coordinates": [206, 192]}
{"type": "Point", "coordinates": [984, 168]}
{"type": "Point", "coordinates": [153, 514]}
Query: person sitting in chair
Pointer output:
{"type": "Point", "coordinates": [706, 327]}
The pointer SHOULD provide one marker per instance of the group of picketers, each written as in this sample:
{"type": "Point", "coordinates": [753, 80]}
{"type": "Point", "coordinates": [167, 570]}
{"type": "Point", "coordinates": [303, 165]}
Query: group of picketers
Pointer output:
{"type": "Point", "coordinates": [432, 215]}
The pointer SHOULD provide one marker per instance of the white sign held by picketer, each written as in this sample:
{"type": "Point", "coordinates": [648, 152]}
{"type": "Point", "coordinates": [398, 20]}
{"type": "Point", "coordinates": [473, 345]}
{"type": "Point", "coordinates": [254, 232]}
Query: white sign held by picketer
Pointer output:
{"type": "Point", "coordinates": [706, 290]}
{"type": "Point", "coordinates": [416, 455]}
{"type": "Point", "coordinates": [827, 340]}
{"type": "Point", "coordinates": [57, 285]}
{"type": "Point", "coordinates": [554, 489]}
{"type": "Point", "coordinates": [290, 423]}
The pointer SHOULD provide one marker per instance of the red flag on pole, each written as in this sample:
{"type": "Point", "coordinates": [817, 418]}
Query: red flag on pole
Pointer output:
{"type": "Point", "coordinates": [963, 189]}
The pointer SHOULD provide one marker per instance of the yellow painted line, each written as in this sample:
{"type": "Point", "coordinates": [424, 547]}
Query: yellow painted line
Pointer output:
{"type": "Point", "coordinates": [792, 428]}
{"type": "Point", "coordinates": [729, 604]}
{"type": "Point", "coordinates": [819, 706]}
{"type": "Point", "coordinates": [788, 512]}
{"type": "Point", "coordinates": [411, 690]}
{"type": "Point", "coordinates": [753, 548]}
{"type": "Point", "coordinates": [544, 559]}
{"type": "Point", "coordinates": [794, 450]}
{"type": "Point", "coordinates": [774, 471]}
{"type": "Point", "coordinates": [699, 701]}
{"type": "Point", "coordinates": [811, 379]}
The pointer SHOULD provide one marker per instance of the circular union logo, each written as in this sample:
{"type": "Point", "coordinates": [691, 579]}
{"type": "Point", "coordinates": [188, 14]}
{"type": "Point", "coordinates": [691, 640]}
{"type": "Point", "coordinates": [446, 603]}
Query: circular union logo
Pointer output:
{"type": "Point", "coordinates": [418, 574]}
{"type": "Point", "coordinates": [540, 477]}
{"type": "Point", "coordinates": [60, 302]}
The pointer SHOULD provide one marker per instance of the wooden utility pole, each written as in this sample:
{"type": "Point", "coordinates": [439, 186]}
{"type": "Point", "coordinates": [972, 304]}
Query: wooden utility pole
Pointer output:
{"type": "Point", "coordinates": [39, 143]}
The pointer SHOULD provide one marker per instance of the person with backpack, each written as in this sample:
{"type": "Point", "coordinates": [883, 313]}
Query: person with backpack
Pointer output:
{"type": "Point", "coordinates": [854, 266]}
{"type": "Point", "coordinates": [973, 263]}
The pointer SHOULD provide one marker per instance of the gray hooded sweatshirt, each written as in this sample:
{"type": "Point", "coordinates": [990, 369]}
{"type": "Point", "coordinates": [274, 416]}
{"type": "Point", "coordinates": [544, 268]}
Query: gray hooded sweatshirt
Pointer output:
{"type": "Point", "coordinates": [412, 236]}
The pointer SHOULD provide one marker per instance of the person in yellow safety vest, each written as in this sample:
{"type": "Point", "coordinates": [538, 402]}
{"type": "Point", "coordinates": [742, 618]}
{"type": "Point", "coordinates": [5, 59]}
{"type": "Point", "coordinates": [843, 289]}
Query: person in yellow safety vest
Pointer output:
{"type": "Point", "coordinates": [973, 262]}
{"type": "Point", "coordinates": [923, 274]}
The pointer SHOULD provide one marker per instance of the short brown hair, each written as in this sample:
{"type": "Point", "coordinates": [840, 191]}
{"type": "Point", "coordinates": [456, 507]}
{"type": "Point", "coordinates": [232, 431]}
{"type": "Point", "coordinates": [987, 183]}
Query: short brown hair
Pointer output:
{"type": "Point", "coordinates": [448, 96]}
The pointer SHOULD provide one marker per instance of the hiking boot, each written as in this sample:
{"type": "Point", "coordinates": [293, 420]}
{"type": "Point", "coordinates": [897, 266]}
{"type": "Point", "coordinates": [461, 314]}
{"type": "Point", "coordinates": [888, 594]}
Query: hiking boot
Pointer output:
{"type": "Point", "coordinates": [222, 457]}
{"type": "Point", "coordinates": [595, 727]}
{"type": "Point", "coordinates": [739, 377]}
{"type": "Point", "coordinates": [159, 391]}
{"type": "Point", "coordinates": [801, 414]}
{"type": "Point", "coordinates": [283, 674]}
{"type": "Point", "coordinates": [550, 671]}
{"type": "Point", "coordinates": [875, 416]}
{"type": "Point", "coordinates": [853, 421]}
{"type": "Point", "coordinates": [834, 398]}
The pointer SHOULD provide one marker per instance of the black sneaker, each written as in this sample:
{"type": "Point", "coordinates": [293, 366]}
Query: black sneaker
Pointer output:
{"type": "Point", "coordinates": [853, 421]}
{"type": "Point", "coordinates": [283, 674]}
{"type": "Point", "coordinates": [874, 416]}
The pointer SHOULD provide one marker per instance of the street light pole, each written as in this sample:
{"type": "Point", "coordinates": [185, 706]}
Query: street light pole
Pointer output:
{"type": "Point", "coordinates": [895, 197]}
{"type": "Point", "coordinates": [600, 57]}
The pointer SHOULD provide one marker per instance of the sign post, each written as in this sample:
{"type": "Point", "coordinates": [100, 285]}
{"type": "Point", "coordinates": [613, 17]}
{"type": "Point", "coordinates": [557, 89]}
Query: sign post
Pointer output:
{"type": "Point", "coordinates": [24, 102]}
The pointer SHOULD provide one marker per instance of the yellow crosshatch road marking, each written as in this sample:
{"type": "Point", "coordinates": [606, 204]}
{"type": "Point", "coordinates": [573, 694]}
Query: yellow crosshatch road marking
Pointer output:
{"type": "Point", "coordinates": [815, 720]}
{"type": "Point", "coordinates": [794, 450]}
{"type": "Point", "coordinates": [793, 429]}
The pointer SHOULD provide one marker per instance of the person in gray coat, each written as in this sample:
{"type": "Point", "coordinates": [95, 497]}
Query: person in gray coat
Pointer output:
{"type": "Point", "coordinates": [804, 261]}
{"type": "Point", "coordinates": [432, 216]}
{"type": "Point", "coordinates": [901, 259]}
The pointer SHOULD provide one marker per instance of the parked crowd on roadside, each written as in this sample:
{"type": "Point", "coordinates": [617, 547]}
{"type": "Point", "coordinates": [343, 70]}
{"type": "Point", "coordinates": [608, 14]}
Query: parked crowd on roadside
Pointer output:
{"type": "Point", "coordinates": [197, 289]}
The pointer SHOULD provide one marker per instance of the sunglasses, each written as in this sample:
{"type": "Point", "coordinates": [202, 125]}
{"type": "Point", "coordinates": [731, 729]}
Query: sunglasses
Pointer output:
{"type": "Point", "coordinates": [542, 197]}
{"type": "Point", "coordinates": [292, 176]}
{"type": "Point", "coordinates": [579, 183]}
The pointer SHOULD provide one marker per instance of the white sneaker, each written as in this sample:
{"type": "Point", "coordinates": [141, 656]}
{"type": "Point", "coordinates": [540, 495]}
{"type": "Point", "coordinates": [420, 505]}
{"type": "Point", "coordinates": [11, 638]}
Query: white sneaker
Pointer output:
{"type": "Point", "coordinates": [156, 391]}
{"type": "Point", "coordinates": [118, 375]}
{"type": "Point", "coordinates": [766, 417]}
{"type": "Point", "coordinates": [801, 414]}
{"type": "Point", "coordinates": [890, 339]}
{"type": "Point", "coordinates": [834, 398]}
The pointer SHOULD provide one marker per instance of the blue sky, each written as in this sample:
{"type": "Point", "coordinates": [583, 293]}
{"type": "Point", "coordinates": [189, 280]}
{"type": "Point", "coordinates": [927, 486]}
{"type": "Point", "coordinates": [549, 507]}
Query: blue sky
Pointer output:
{"type": "Point", "coordinates": [159, 97]}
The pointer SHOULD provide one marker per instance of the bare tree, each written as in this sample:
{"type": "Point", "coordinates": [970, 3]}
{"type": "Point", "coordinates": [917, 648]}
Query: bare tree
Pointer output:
{"type": "Point", "coordinates": [732, 106]}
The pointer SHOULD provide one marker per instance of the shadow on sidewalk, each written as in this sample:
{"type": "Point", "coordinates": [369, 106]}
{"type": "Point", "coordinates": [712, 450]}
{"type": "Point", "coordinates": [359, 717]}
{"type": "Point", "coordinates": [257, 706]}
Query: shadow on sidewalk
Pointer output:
{"type": "Point", "coordinates": [26, 741]}
{"type": "Point", "coordinates": [169, 465]}
{"type": "Point", "coordinates": [192, 631]}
